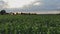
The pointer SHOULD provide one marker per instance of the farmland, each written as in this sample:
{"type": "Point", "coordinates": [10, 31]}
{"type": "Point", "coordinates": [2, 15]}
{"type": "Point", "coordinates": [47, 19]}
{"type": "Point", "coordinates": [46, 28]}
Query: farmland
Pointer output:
{"type": "Point", "coordinates": [29, 24]}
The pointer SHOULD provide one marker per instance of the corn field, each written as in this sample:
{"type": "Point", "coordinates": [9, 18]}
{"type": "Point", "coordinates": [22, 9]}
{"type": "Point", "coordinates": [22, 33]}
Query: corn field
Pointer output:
{"type": "Point", "coordinates": [29, 24]}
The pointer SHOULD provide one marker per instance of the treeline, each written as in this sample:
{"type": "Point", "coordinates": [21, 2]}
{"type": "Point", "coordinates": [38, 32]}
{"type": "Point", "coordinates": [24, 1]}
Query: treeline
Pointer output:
{"type": "Point", "coordinates": [3, 12]}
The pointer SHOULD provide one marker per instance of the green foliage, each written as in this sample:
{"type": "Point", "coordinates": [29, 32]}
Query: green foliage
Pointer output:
{"type": "Point", "coordinates": [29, 24]}
{"type": "Point", "coordinates": [2, 12]}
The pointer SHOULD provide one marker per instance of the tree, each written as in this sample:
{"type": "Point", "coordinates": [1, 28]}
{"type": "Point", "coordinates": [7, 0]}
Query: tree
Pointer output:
{"type": "Point", "coordinates": [2, 12]}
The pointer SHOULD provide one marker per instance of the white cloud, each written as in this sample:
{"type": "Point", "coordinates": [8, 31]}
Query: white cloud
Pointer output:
{"type": "Point", "coordinates": [18, 3]}
{"type": "Point", "coordinates": [34, 5]}
{"type": "Point", "coordinates": [37, 3]}
{"type": "Point", "coordinates": [2, 4]}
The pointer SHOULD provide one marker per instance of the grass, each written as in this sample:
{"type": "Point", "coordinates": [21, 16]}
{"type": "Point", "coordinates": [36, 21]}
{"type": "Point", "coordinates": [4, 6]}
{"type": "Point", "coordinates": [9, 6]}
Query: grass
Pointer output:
{"type": "Point", "coordinates": [29, 24]}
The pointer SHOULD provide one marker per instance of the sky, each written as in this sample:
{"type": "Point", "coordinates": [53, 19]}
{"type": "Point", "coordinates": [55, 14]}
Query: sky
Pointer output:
{"type": "Point", "coordinates": [31, 5]}
{"type": "Point", "coordinates": [19, 3]}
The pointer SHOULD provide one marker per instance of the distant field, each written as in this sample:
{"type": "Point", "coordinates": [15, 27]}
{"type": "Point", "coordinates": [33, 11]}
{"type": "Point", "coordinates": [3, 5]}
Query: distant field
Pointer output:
{"type": "Point", "coordinates": [29, 24]}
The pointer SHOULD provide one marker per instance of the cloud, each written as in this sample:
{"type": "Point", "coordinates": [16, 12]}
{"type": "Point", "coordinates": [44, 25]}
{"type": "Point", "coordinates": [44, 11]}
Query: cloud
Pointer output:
{"type": "Point", "coordinates": [2, 4]}
{"type": "Point", "coordinates": [19, 3]}
{"type": "Point", "coordinates": [39, 5]}
{"type": "Point", "coordinates": [34, 4]}
{"type": "Point", "coordinates": [43, 5]}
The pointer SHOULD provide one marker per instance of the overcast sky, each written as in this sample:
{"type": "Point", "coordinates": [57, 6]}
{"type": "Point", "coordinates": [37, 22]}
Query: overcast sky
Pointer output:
{"type": "Point", "coordinates": [32, 5]}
